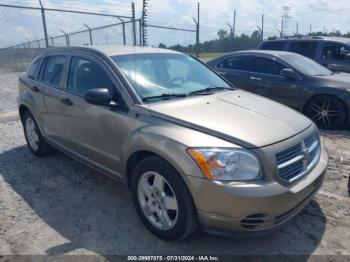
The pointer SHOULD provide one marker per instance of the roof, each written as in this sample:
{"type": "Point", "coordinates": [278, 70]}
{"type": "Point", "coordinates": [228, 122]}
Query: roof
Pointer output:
{"type": "Point", "coordinates": [252, 52]}
{"type": "Point", "coordinates": [344, 40]}
{"type": "Point", "coordinates": [114, 50]}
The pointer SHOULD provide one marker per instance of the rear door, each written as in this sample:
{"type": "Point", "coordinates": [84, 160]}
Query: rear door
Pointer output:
{"type": "Point", "coordinates": [233, 68]}
{"type": "Point", "coordinates": [265, 80]}
{"type": "Point", "coordinates": [333, 56]}
{"type": "Point", "coordinates": [50, 83]}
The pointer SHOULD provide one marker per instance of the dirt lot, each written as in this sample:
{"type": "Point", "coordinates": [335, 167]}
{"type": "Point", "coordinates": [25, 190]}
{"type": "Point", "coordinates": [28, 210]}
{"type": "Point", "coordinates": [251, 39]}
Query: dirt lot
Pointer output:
{"type": "Point", "coordinates": [56, 205]}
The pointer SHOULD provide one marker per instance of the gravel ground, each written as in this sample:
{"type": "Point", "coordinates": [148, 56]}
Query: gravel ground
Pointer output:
{"type": "Point", "coordinates": [8, 90]}
{"type": "Point", "coordinates": [55, 205]}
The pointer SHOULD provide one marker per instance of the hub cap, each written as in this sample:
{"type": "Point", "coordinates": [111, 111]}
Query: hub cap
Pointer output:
{"type": "Point", "coordinates": [32, 134]}
{"type": "Point", "coordinates": [157, 200]}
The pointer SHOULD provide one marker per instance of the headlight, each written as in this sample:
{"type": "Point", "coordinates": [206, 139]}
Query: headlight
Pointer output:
{"type": "Point", "coordinates": [226, 164]}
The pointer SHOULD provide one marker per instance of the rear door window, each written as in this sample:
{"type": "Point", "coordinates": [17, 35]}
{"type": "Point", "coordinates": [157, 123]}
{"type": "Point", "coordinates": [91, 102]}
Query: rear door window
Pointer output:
{"type": "Point", "coordinates": [305, 48]}
{"type": "Point", "coordinates": [53, 72]}
{"type": "Point", "coordinates": [273, 45]}
{"type": "Point", "coordinates": [235, 63]}
{"type": "Point", "coordinates": [265, 66]}
{"type": "Point", "coordinates": [334, 51]}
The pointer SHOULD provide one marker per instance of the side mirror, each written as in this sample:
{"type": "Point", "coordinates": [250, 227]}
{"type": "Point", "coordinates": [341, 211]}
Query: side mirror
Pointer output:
{"type": "Point", "coordinates": [347, 56]}
{"type": "Point", "coordinates": [98, 96]}
{"type": "Point", "coordinates": [288, 73]}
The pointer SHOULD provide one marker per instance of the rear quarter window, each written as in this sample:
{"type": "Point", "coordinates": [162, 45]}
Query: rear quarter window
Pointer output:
{"type": "Point", "coordinates": [273, 45]}
{"type": "Point", "coordinates": [305, 48]}
{"type": "Point", "coordinates": [34, 68]}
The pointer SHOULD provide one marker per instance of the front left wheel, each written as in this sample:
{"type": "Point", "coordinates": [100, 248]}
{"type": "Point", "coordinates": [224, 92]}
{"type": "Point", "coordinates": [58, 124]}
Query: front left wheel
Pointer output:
{"type": "Point", "coordinates": [162, 199]}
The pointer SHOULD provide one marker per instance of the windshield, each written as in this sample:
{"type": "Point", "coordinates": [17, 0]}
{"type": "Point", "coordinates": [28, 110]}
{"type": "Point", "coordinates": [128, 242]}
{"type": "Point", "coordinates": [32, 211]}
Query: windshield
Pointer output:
{"type": "Point", "coordinates": [161, 75]}
{"type": "Point", "coordinates": [306, 65]}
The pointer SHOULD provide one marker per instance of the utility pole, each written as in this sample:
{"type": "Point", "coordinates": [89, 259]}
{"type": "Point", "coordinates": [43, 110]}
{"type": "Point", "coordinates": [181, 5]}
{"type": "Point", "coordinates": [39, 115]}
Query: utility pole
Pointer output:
{"type": "Point", "coordinates": [262, 28]}
{"type": "Point", "coordinates": [231, 35]}
{"type": "Point", "coordinates": [90, 33]}
{"type": "Point", "coordinates": [234, 23]}
{"type": "Point", "coordinates": [285, 17]}
{"type": "Point", "coordinates": [144, 22]}
{"type": "Point", "coordinates": [133, 23]}
{"type": "Point", "coordinates": [197, 29]}
{"type": "Point", "coordinates": [282, 27]}
{"type": "Point", "coordinates": [297, 29]}
{"type": "Point", "coordinates": [310, 29]}
{"type": "Point", "coordinates": [44, 24]}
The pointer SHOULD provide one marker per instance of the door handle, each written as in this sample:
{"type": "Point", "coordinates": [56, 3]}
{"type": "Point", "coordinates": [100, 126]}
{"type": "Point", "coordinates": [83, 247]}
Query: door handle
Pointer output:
{"type": "Point", "coordinates": [222, 73]}
{"type": "Point", "coordinates": [257, 79]}
{"type": "Point", "coordinates": [67, 101]}
{"type": "Point", "coordinates": [35, 89]}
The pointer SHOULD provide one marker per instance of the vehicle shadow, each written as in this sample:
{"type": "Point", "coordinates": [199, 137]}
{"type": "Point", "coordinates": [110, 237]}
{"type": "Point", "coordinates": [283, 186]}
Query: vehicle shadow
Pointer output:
{"type": "Point", "coordinates": [95, 213]}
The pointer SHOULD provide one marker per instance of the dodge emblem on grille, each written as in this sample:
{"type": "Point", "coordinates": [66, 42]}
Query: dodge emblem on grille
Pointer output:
{"type": "Point", "coordinates": [305, 152]}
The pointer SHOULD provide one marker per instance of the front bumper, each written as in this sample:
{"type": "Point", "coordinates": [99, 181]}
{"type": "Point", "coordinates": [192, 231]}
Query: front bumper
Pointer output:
{"type": "Point", "coordinates": [256, 205]}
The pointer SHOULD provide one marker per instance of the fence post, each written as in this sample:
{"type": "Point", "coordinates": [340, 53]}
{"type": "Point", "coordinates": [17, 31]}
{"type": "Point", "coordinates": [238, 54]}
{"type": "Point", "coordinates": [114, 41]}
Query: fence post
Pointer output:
{"type": "Point", "coordinates": [133, 23]}
{"type": "Point", "coordinates": [123, 28]}
{"type": "Point", "coordinates": [67, 37]}
{"type": "Point", "coordinates": [44, 24]}
{"type": "Point", "coordinates": [90, 33]}
{"type": "Point", "coordinates": [140, 32]}
{"type": "Point", "coordinates": [52, 41]}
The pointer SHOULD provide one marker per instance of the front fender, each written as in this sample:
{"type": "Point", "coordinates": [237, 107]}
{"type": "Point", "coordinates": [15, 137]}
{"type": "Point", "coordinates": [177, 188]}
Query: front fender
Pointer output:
{"type": "Point", "coordinates": [155, 139]}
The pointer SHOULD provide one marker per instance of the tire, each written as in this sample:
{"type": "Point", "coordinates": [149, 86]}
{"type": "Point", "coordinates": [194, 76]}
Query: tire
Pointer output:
{"type": "Point", "coordinates": [35, 141]}
{"type": "Point", "coordinates": [328, 112]}
{"type": "Point", "coordinates": [183, 221]}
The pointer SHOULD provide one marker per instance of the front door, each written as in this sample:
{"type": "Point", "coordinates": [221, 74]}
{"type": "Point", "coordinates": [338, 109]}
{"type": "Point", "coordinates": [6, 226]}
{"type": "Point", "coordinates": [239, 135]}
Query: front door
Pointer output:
{"type": "Point", "coordinates": [95, 133]}
{"type": "Point", "coordinates": [334, 56]}
{"type": "Point", "coordinates": [264, 79]}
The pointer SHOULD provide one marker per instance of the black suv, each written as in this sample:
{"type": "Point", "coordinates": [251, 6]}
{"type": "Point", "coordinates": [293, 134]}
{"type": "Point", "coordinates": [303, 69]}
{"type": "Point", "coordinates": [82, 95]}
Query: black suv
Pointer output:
{"type": "Point", "coordinates": [332, 52]}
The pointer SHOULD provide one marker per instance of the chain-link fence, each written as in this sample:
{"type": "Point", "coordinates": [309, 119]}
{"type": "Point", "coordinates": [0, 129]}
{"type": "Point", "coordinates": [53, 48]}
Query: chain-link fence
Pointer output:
{"type": "Point", "coordinates": [26, 30]}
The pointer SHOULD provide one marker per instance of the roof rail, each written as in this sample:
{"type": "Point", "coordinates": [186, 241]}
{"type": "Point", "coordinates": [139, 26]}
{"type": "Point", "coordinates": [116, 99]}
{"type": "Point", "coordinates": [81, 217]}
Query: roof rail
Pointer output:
{"type": "Point", "coordinates": [295, 37]}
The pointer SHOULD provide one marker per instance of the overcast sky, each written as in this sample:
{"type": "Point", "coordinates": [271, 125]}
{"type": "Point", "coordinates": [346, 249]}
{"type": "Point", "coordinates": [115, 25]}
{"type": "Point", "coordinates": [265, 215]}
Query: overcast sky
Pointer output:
{"type": "Point", "coordinates": [322, 14]}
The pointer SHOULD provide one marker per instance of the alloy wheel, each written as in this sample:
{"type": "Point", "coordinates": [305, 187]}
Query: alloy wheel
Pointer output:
{"type": "Point", "coordinates": [326, 112]}
{"type": "Point", "coordinates": [157, 200]}
{"type": "Point", "coordinates": [32, 134]}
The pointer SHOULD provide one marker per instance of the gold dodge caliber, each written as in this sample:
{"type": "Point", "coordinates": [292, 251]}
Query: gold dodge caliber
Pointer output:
{"type": "Point", "coordinates": [193, 150]}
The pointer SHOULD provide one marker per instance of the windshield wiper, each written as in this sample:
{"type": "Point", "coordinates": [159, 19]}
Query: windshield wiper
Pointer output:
{"type": "Point", "coordinates": [164, 96]}
{"type": "Point", "coordinates": [209, 90]}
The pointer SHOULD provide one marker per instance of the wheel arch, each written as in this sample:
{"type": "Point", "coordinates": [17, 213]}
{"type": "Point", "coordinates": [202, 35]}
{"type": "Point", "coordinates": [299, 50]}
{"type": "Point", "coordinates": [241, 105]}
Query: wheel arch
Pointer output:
{"type": "Point", "coordinates": [133, 160]}
{"type": "Point", "coordinates": [22, 110]}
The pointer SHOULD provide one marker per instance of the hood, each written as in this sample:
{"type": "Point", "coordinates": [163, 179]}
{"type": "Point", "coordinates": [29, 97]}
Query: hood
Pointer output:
{"type": "Point", "coordinates": [237, 116]}
{"type": "Point", "coordinates": [339, 80]}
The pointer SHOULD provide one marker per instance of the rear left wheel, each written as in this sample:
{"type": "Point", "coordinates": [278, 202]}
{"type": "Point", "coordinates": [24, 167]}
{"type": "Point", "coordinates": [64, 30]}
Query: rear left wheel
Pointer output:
{"type": "Point", "coordinates": [35, 141]}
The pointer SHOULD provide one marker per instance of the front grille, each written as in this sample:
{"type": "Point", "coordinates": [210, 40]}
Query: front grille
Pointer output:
{"type": "Point", "coordinates": [295, 162]}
